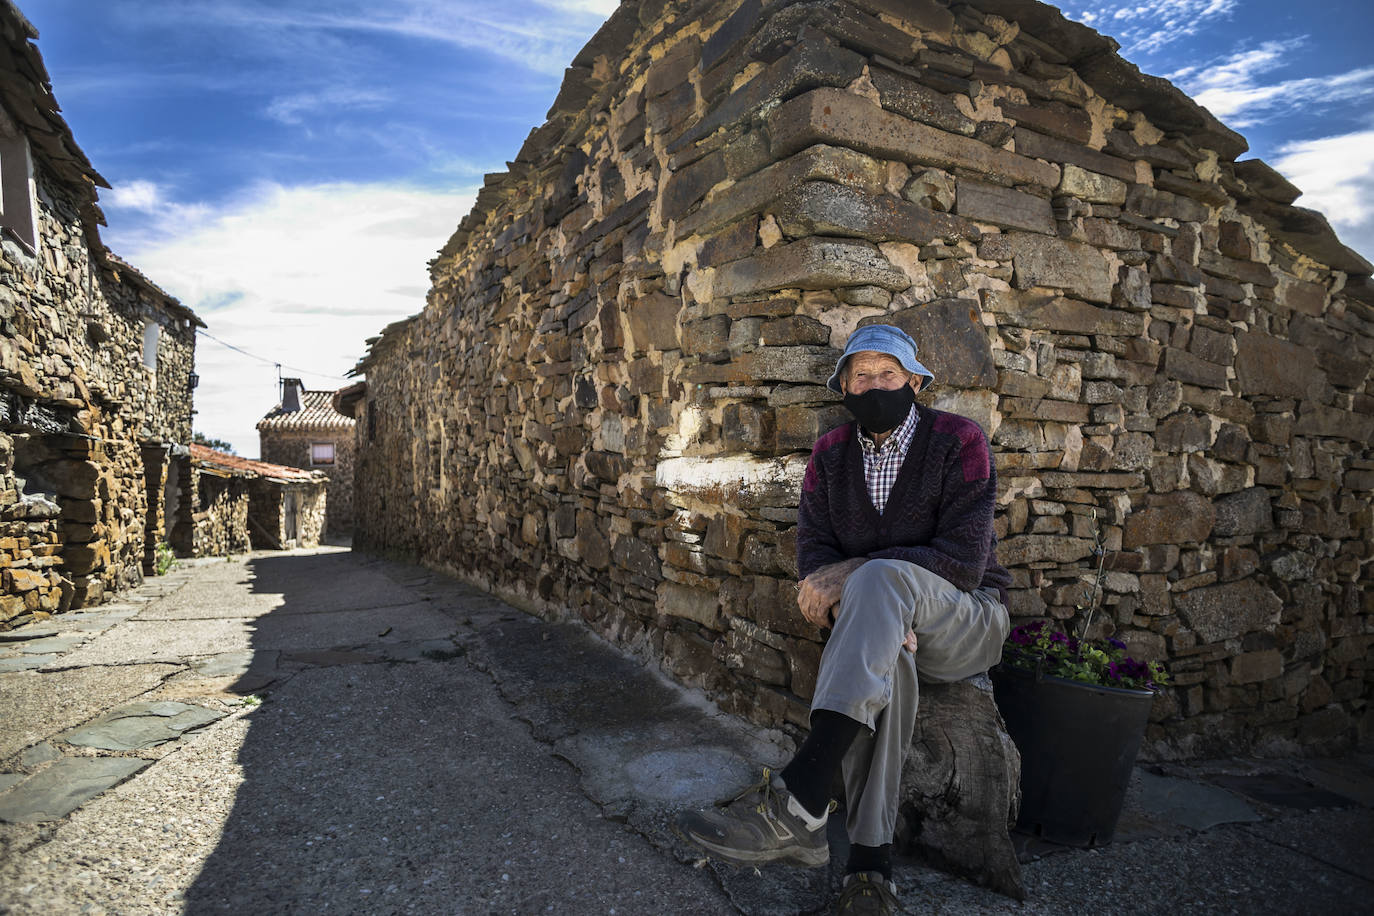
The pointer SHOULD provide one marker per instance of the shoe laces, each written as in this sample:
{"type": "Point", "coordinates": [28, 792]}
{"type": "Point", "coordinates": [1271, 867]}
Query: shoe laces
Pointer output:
{"type": "Point", "coordinates": [765, 789]}
{"type": "Point", "coordinates": [766, 793]}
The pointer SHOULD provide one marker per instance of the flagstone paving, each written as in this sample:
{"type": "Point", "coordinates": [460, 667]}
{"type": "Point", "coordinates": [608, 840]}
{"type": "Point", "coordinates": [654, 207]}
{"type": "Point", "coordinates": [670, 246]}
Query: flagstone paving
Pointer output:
{"type": "Point", "coordinates": [140, 725]}
{"type": "Point", "coordinates": [196, 781]}
{"type": "Point", "coordinates": [64, 786]}
{"type": "Point", "coordinates": [25, 662]}
{"type": "Point", "coordinates": [38, 704]}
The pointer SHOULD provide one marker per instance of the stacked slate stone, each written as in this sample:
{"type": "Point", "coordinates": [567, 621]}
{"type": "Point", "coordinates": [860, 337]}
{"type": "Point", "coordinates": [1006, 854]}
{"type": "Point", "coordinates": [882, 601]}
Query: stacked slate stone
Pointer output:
{"type": "Point", "coordinates": [77, 405]}
{"type": "Point", "coordinates": [77, 410]}
{"type": "Point", "coordinates": [606, 406]}
{"type": "Point", "coordinates": [221, 516]}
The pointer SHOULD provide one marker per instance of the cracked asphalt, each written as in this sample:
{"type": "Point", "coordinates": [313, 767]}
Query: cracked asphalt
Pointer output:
{"type": "Point", "coordinates": [327, 732]}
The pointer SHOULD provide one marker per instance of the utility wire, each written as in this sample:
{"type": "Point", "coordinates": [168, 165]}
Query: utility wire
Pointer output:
{"type": "Point", "coordinates": [270, 362]}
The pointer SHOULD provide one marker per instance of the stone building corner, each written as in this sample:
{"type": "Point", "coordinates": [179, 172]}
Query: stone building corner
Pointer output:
{"type": "Point", "coordinates": [606, 405]}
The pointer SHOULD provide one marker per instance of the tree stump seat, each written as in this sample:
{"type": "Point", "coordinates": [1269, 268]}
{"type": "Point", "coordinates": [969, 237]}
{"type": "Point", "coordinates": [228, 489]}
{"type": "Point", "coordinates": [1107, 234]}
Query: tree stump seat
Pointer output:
{"type": "Point", "coordinates": [961, 786]}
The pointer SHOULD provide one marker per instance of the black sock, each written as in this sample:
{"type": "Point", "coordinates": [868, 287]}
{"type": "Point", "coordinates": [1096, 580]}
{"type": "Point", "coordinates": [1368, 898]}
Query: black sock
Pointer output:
{"type": "Point", "coordinates": [870, 858]}
{"type": "Point", "coordinates": [811, 771]}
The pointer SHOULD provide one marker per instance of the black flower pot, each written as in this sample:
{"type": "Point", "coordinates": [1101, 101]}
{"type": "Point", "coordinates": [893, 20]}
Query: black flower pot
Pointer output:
{"type": "Point", "coordinates": [1078, 743]}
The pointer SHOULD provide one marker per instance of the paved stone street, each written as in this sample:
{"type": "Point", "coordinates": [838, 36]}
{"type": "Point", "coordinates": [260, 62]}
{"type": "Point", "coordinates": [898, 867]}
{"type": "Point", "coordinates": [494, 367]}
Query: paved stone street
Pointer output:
{"type": "Point", "coordinates": [321, 731]}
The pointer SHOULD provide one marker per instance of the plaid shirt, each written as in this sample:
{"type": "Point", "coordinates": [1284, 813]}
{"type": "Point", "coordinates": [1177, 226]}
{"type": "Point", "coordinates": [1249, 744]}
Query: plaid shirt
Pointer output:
{"type": "Point", "coordinates": [881, 463]}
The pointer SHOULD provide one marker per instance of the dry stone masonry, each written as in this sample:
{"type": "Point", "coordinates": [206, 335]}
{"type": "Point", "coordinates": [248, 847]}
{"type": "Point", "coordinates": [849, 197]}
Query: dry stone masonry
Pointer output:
{"type": "Point", "coordinates": [241, 504]}
{"type": "Point", "coordinates": [606, 405]}
{"type": "Point", "coordinates": [95, 368]}
{"type": "Point", "coordinates": [221, 516]}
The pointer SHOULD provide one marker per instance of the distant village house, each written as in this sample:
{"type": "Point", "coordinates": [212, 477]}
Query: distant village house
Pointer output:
{"type": "Point", "coordinates": [305, 431]}
{"type": "Point", "coordinates": [242, 504]}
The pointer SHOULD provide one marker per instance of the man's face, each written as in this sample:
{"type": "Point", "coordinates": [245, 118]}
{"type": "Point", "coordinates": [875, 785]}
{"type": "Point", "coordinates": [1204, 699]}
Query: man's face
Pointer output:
{"type": "Point", "coordinates": [867, 369]}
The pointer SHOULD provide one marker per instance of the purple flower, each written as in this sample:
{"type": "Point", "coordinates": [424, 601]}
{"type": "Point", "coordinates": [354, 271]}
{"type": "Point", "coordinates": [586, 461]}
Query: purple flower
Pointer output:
{"type": "Point", "coordinates": [1129, 667]}
{"type": "Point", "coordinates": [1040, 646]}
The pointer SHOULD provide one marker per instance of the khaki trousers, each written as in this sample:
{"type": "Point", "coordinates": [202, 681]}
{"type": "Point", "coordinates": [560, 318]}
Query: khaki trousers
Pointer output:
{"type": "Point", "coordinates": [866, 675]}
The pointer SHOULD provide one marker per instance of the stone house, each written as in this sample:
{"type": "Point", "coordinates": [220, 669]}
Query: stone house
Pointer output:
{"type": "Point", "coordinates": [216, 495]}
{"type": "Point", "coordinates": [605, 408]}
{"type": "Point", "coordinates": [241, 504]}
{"type": "Point", "coordinates": [306, 431]}
{"type": "Point", "coordinates": [96, 367]}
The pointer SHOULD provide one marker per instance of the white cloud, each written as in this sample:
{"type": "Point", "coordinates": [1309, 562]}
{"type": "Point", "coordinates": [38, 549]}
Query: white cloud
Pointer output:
{"type": "Point", "coordinates": [1336, 175]}
{"type": "Point", "coordinates": [541, 35]}
{"type": "Point", "coordinates": [288, 109]}
{"type": "Point", "coordinates": [1233, 90]}
{"type": "Point", "coordinates": [602, 8]}
{"type": "Point", "coordinates": [1143, 28]}
{"type": "Point", "coordinates": [300, 275]}
{"type": "Point", "coordinates": [151, 199]}
{"type": "Point", "coordinates": [136, 195]}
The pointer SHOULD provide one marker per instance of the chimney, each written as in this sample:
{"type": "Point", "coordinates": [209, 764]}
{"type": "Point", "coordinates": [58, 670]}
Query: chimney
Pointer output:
{"type": "Point", "coordinates": [291, 389]}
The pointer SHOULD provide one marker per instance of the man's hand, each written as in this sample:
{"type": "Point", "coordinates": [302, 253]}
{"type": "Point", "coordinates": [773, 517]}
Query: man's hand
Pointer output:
{"type": "Point", "coordinates": [820, 592]}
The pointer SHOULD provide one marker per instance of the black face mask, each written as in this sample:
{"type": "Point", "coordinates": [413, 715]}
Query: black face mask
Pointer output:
{"type": "Point", "coordinates": [879, 410]}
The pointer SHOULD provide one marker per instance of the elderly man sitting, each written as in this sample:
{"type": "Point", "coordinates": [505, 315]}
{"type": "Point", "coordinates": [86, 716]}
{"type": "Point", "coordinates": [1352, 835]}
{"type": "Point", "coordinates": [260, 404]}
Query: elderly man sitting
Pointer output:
{"type": "Point", "coordinates": [896, 553]}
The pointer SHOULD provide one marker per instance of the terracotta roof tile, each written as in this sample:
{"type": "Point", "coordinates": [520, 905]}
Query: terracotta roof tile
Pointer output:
{"type": "Point", "coordinates": [226, 462]}
{"type": "Point", "coordinates": [317, 413]}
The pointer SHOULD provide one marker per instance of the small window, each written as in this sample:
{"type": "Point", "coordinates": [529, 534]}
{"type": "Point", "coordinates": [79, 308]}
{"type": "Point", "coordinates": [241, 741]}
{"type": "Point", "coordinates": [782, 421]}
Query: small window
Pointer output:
{"type": "Point", "coordinates": [16, 184]}
{"type": "Point", "coordinates": [151, 332]}
{"type": "Point", "coordinates": [322, 453]}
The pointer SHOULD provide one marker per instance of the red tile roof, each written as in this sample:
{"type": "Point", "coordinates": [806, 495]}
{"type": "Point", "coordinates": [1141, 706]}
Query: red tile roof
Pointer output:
{"type": "Point", "coordinates": [226, 462]}
{"type": "Point", "coordinates": [317, 413]}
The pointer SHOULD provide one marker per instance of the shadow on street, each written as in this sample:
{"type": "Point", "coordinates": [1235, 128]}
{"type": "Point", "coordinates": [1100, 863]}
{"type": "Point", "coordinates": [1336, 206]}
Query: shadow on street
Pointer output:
{"type": "Point", "coordinates": [383, 773]}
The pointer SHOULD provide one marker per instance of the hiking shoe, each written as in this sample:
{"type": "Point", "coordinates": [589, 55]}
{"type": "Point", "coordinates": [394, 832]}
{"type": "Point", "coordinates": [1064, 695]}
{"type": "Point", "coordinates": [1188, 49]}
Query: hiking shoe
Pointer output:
{"type": "Point", "coordinates": [762, 824]}
{"type": "Point", "coordinates": [867, 893]}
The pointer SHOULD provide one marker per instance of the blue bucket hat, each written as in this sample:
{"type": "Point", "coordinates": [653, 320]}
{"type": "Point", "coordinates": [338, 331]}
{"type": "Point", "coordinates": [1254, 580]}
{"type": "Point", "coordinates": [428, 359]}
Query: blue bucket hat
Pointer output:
{"type": "Point", "coordinates": [882, 338]}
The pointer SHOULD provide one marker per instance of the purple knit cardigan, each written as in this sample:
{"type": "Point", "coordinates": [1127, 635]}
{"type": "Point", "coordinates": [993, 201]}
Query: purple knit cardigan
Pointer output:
{"type": "Point", "coordinates": [938, 516]}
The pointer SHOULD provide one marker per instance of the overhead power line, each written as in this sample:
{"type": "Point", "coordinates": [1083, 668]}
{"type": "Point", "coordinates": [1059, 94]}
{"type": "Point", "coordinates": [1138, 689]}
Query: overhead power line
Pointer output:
{"type": "Point", "coordinates": [270, 362]}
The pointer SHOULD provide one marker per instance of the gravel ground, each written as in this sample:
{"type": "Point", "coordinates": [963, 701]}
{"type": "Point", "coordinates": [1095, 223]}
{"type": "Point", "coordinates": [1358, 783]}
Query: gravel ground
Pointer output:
{"type": "Point", "coordinates": [39, 704]}
{"type": "Point", "coordinates": [381, 787]}
{"type": "Point", "coordinates": [421, 747]}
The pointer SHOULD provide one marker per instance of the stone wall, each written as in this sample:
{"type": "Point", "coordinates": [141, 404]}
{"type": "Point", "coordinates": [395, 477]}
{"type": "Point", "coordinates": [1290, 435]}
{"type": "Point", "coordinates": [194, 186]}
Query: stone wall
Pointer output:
{"type": "Point", "coordinates": [221, 514]}
{"type": "Point", "coordinates": [85, 428]}
{"type": "Point", "coordinates": [79, 406]}
{"type": "Point", "coordinates": [242, 503]}
{"type": "Point", "coordinates": [606, 405]}
{"type": "Point", "coordinates": [293, 450]}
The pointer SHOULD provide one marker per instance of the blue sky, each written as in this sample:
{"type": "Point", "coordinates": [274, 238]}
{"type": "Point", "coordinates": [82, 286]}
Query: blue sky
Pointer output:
{"type": "Point", "coordinates": [287, 168]}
